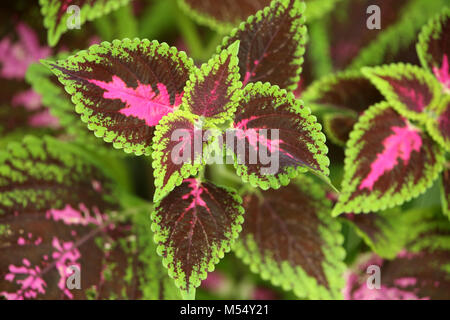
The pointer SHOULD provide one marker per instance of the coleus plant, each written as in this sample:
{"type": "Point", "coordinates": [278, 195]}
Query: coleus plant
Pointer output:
{"type": "Point", "coordinates": [397, 148]}
{"type": "Point", "coordinates": [137, 94]}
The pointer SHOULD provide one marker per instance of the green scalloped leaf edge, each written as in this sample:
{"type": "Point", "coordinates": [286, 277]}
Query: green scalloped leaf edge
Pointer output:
{"type": "Point", "coordinates": [372, 202]}
{"type": "Point", "coordinates": [399, 71]}
{"type": "Point", "coordinates": [445, 199]}
{"type": "Point", "coordinates": [300, 34]}
{"type": "Point", "coordinates": [87, 13]}
{"type": "Point", "coordinates": [428, 31]}
{"type": "Point", "coordinates": [306, 286]}
{"type": "Point", "coordinates": [217, 253]}
{"type": "Point", "coordinates": [298, 108]}
{"type": "Point", "coordinates": [99, 131]}
{"type": "Point", "coordinates": [414, 16]}
{"type": "Point", "coordinates": [159, 146]}
{"type": "Point", "coordinates": [432, 120]}
{"type": "Point", "coordinates": [233, 90]}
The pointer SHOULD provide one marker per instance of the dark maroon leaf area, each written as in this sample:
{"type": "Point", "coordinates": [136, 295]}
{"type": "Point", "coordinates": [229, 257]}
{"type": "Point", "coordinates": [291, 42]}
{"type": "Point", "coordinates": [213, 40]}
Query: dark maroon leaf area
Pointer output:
{"type": "Point", "coordinates": [268, 50]}
{"type": "Point", "coordinates": [285, 224]}
{"type": "Point", "coordinates": [371, 142]}
{"type": "Point", "coordinates": [209, 97]}
{"type": "Point", "coordinates": [355, 94]}
{"type": "Point", "coordinates": [197, 216]}
{"type": "Point", "coordinates": [143, 68]}
{"type": "Point", "coordinates": [415, 94]}
{"type": "Point", "coordinates": [348, 27]}
{"type": "Point", "coordinates": [420, 274]}
{"type": "Point", "coordinates": [260, 112]}
{"type": "Point", "coordinates": [231, 11]}
{"type": "Point", "coordinates": [438, 46]}
{"type": "Point", "coordinates": [341, 126]}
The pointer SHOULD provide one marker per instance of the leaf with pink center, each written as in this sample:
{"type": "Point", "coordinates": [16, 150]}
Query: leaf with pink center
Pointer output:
{"type": "Point", "coordinates": [410, 276]}
{"type": "Point", "coordinates": [388, 162]}
{"type": "Point", "coordinates": [272, 44]}
{"type": "Point", "coordinates": [411, 90]}
{"type": "Point", "coordinates": [341, 98]}
{"type": "Point", "coordinates": [275, 138]}
{"type": "Point", "coordinates": [213, 91]}
{"type": "Point", "coordinates": [59, 14]}
{"type": "Point", "coordinates": [178, 151]}
{"type": "Point", "coordinates": [195, 225]}
{"type": "Point", "coordinates": [438, 124]}
{"type": "Point", "coordinates": [434, 48]}
{"type": "Point", "coordinates": [289, 238]}
{"type": "Point", "coordinates": [124, 88]}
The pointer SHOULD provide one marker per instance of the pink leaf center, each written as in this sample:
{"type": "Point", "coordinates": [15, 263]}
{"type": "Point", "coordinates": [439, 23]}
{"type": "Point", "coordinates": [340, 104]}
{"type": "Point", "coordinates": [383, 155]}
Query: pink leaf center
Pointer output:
{"type": "Point", "coordinates": [142, 102]}
{"type": "Point", "coordinates": [443, 74]}
{"type": "Point", "coordinates": [401, 144]}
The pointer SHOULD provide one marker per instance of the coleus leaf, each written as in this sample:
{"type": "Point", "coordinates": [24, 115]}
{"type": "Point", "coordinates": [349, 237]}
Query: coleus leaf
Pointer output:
{"type": "Point", "coordinates": [342, 97]}
{"type": "Point", "coordinates": [411, 276]}
{"type": "Point", "coordinates": [272, 44]}
{"type": "Point", "coordinates": [438, 124]}
{"type": "Point", "coordinates": [213, 92]}
{"type": "Point", "coordinates": [409, 89]}
{"type": "Point", "coordinates": [195, 225]}
{"type": "Point", "coordinates": [124, 88]}
{"type": "Point", "coordinates": [264, 112]}
{"type": "Point", "coordinates": [57, 13]}
{"type": "Point", "coordinates": [53, 215]}
{"type": "Point", "coordinates": [178, 151]}
{"type": "Point", "coordinates": [433, 47]}
{"type": "Point", "coordinates": [388, 162]}
{"type": "Point", "coordinates": [289, 238]}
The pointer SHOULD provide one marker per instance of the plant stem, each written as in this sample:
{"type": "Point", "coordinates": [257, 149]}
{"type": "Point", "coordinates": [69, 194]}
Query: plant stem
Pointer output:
{"type": "Point", "coordinates": [188, 295]}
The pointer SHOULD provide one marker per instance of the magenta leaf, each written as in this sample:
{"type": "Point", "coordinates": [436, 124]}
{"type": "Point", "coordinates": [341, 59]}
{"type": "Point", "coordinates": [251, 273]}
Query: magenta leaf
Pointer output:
{"type": "Point", "coordinates": [195, 225]}
{"type": "Point", "coordinates": [286, 236]}
{"type": "Point", "coordinates": [272, 44]}
{"type": "Point", "coordinates": [439, 124]}
{"type": "Point", "coordinates": [410, 276]}
{"type": "Point", "coordinates": [409, 89]}
{"type": "Point", "coordinates": [388, 161]}
{"type": "Point", "coordinates": [275, 138]}
{"type": "Point", "coordinates": [124, 88]}
{"type": "Point", "coordinates": [213, 92]}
